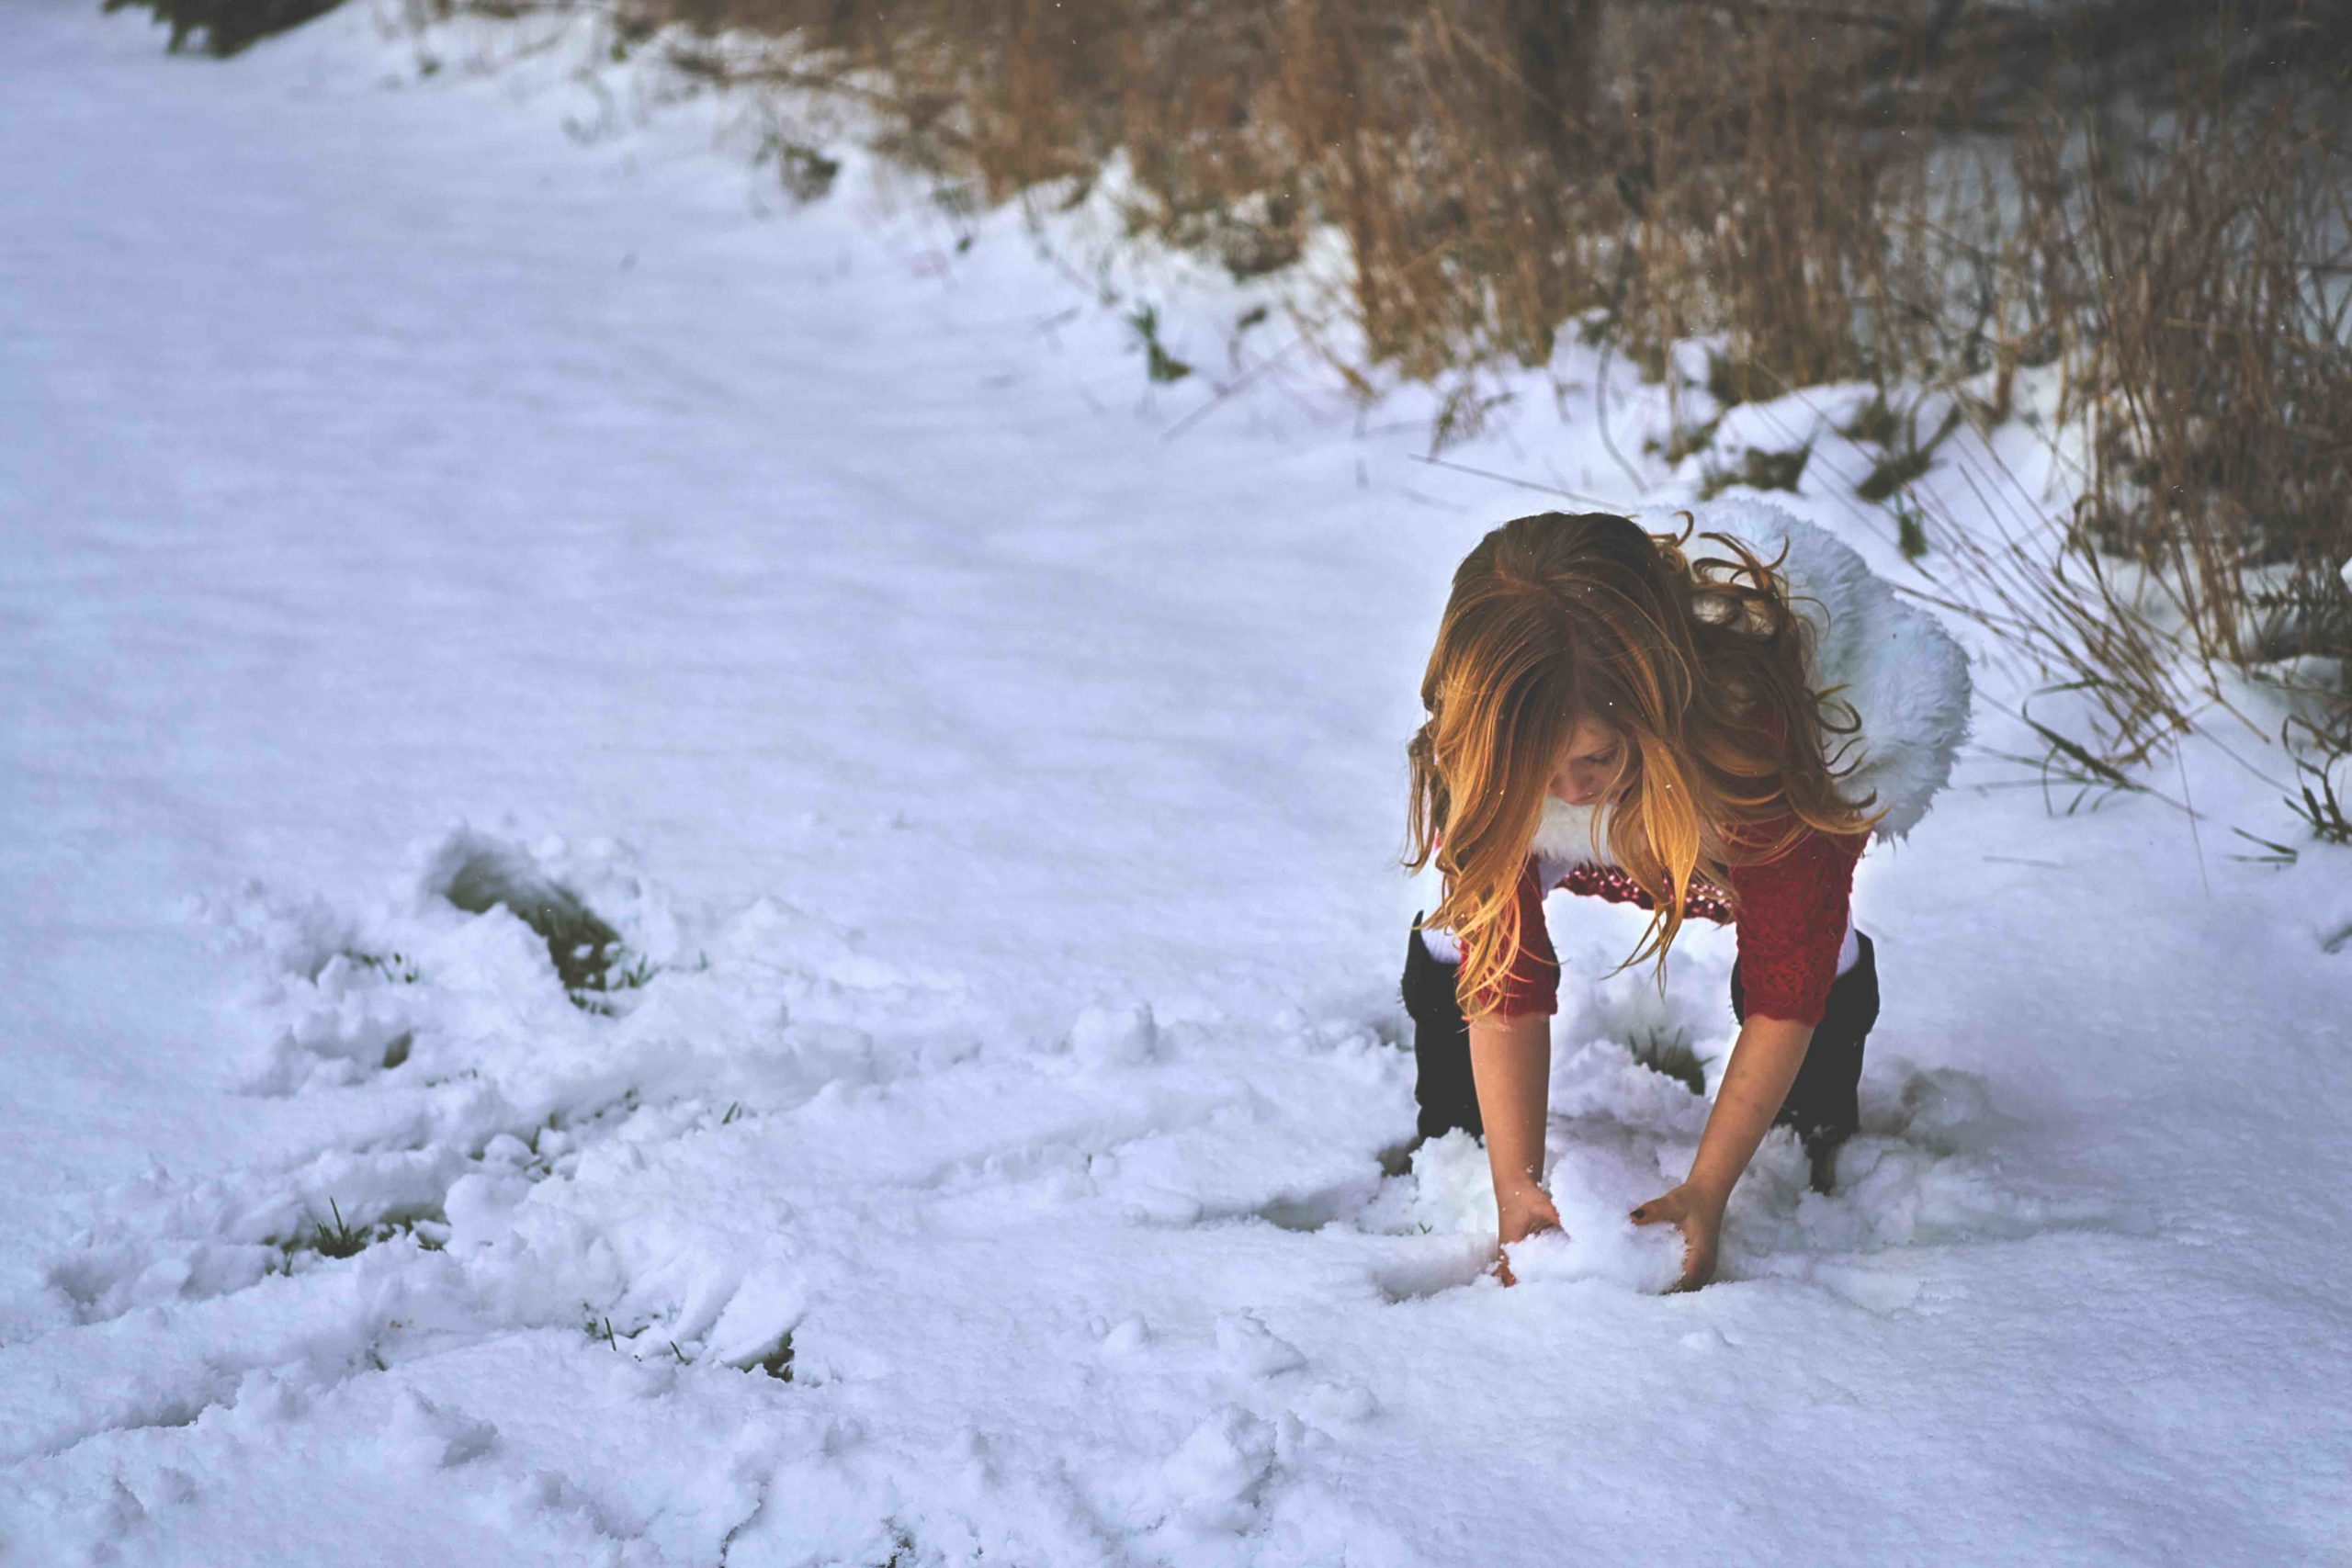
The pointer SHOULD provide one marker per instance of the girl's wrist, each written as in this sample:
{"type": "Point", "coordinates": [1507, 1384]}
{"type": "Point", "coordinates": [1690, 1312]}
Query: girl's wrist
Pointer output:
{"type": "Point", "coordinates": [1527, 1190]}
{"type": "Point", "coordinates": [1715, 1194]}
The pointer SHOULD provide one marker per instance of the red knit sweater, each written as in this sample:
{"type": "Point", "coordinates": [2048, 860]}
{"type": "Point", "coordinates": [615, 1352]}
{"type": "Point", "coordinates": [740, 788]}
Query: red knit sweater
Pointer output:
{"type": "Point", "coordinates": [1791, 920]}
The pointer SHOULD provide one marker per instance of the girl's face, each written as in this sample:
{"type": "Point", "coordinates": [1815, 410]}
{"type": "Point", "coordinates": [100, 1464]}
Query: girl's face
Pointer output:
{"type": "Point", "coordinates": [1593, 769]}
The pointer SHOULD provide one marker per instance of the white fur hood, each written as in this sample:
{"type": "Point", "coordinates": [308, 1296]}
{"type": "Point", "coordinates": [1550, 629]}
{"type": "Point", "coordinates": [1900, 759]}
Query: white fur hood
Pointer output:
{"type": "Point", "coordinates": [1905, 677]}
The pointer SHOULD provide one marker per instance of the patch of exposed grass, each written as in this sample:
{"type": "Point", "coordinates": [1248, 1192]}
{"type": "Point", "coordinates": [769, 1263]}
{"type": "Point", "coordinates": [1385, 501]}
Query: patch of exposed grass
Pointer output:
{"type": "Point", "coordinates": [590, 958]}
{"type": "Point", "coordinates": [1159, 364]}
{"type": "Point", "coordinates": [2318, 805]}
{"type": "Point", "coordinates": [2273, 854]}
{"type": "Point", "coordinates": [1910, 530]}
{"type": "Point", "coordinates": [335, 1237]}
{"type": "Point", "coordinates": [393, 966]}
{"type": "Point", "coordinates": [1671, 1055]}
{"type": "Point", "coordinates": [624, 971]}
{"type": "Point", "coordinates": [1906, 458]}
{"type": "Point", "coordinates": [1759, 469]}
{"type": "Point", "coordinates": [1875, 422]}
{"type": "Point", "coordinates": [777, 1364]}
{"type": "Point", "coordinates": [338, 1240]}
{"type": "Point", "coordinates": [807, 173]}
{"type": "Point", "coordinates": [2068, 764]}
{"type": "Point", "coordinates": [1733, 379]}
{"type": "Point", "coordinates": [1685, 439]}
{"type": "Point", "coordinates": [580, 943]}
{"type": "Point", "coordinates": [1891, 473]}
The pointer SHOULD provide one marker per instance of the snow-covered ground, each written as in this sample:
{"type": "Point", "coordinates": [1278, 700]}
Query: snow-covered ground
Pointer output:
{"type": "Point", "coordinates": [989, 1145]}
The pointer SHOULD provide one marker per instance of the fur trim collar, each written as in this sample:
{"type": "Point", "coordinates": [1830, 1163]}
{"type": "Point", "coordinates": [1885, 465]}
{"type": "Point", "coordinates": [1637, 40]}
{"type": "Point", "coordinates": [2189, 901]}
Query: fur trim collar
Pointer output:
{"type": "Point", "coordinates": [1905, 677]}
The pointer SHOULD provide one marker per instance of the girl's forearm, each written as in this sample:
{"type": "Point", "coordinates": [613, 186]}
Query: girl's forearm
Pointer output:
{"type": "Point", "coordinates": [1511, 1062]}
{"type": "Point", "coordinates": [1764, 1063]}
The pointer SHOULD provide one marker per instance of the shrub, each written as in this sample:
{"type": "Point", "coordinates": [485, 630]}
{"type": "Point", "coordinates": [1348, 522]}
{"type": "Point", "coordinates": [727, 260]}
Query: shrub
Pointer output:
{"type": "Point", "coordinates": [224, 27]}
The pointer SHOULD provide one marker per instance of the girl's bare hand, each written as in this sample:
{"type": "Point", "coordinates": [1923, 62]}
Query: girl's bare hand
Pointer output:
{"type": "Point", "coordinates": [1518, 1215]}
{"type": "Point", "coordinates": [1523, 1211]}
{"type": "Point", "coordinates": [1701, 1221]}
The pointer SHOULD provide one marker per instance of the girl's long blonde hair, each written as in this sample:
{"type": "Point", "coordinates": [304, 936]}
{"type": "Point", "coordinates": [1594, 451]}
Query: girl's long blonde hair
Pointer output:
{"type": "Point", "coordinates": [1556, 619]}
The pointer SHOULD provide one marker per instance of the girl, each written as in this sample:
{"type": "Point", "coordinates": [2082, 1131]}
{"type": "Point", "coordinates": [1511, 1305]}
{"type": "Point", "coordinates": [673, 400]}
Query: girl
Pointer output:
{"type": "Point", "coordinates": [1703, 735]}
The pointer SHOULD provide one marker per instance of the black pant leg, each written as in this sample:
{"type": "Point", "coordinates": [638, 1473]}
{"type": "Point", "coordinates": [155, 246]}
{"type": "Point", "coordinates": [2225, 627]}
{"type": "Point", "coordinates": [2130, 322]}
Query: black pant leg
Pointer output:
{"type": "Point", "coordinates": [1824, 1098]}
{"type": "Point", "coordinates": [1442, 1085]}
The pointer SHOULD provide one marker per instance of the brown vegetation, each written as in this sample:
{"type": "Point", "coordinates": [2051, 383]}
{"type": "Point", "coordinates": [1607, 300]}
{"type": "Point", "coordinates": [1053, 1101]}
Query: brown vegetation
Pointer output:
{"type": "Point", "coordinates": [1920, 192]}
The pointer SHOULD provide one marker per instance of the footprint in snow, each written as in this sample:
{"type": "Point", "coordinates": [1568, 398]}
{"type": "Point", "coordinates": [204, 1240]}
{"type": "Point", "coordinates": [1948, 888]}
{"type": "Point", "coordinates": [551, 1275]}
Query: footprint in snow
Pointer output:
{"type": "Point", "coordinates": [1212, 1481]}
{"type": "Point", "coordinates": [1253, 1352]}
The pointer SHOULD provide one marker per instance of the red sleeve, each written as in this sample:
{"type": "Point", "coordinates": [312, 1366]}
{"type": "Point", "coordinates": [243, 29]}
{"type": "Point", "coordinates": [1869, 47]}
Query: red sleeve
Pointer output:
{"type": "Point", "coordinates": [1531, 984]}
{"type": "Point", "coordinates": [1792, 914]}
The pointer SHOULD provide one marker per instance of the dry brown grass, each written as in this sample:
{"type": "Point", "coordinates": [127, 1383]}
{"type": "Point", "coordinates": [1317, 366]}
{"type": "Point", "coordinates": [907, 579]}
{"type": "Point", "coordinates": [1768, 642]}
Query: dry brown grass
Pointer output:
{"type": "Point", "coordinates": [1497, 169]}
{"type": "Point", "coordinates": [1937, 192]}
{"type": "Point", "coordinates": [2207, 268]}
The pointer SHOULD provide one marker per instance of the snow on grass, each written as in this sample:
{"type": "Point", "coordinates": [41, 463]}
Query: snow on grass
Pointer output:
{"type": "Point", "coordinates": [692, 888]}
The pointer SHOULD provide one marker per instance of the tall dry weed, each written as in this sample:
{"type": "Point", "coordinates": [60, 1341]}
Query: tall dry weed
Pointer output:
{"type": "Point", "coordinates": [1943, 192]}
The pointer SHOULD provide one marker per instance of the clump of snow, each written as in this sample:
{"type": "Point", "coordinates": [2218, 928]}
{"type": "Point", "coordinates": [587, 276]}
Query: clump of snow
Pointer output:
{"type": "Point", "coordinates": [1589, 1246]}
{"type": "Point", "coordinates": [1212, 1480]}
{"type": "Point", "coordinates": [425, 1437]}
{"type": "Point", "coordinates": [1253, 1351]}
{"type": "Point", "coordinates": [1113, 1036]}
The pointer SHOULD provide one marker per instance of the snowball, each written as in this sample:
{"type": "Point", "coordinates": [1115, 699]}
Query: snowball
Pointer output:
{"type": "Point", "coordinates": [1647, 1259]}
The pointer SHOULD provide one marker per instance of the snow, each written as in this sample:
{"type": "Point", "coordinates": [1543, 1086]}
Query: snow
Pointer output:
{"type": "Point", "coordinates": [989, 1142]}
